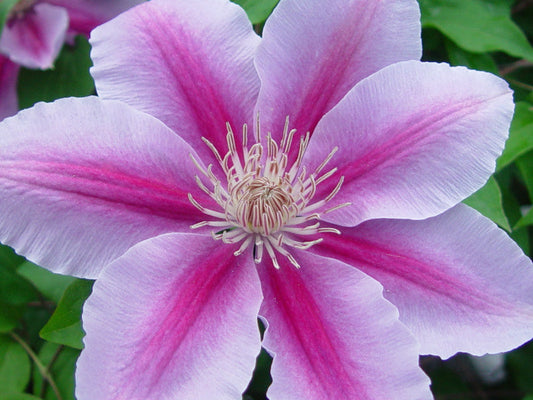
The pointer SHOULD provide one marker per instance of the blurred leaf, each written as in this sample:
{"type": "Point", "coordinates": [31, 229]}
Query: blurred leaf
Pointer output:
{"type": "Point", "coordinates": [526, 220]}
{"type": "Point", "coordinates": [521, 135]}
{"type": "Point", "coordinates": [5, 8]}
{"type": "Point", "coordinates": [14, 289]}
{"type": "Point", "coordinates": [525, 166]}
{"type": "Point", "coordinates": [477, 25]}
{"type": "Point", "coordinates": [478, 61]}
{"type": "Point", "coordinates": [51, 285]}
{"type": "Point", "coordinates": [63, 361]}
{"type": "Point", "coordinates": [10, 315]}
{"type": "Point", "coordinates": [70, 77]}
{"type": "Point", "coordinates": [64, 327]}
{"type": "Point", "coordinates": [18, 396]}
{"type": "Point", "coordinates": [257, 10]}
{"type": "Point", "coordinates": [9, 258]}
{"type": "Point", "coordinates": [488, 201]}
{"type": "Point", "coordinates": [519, 363]}
{"type": "Point", "coordinates": [15, 366]}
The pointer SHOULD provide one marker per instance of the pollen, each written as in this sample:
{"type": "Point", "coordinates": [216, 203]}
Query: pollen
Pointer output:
{"type": "Point", "coordinates": [266, 202]}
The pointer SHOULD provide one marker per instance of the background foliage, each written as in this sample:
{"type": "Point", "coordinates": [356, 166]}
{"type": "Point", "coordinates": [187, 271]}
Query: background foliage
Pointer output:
{"type": "Point", "coordinates": [40, 328]}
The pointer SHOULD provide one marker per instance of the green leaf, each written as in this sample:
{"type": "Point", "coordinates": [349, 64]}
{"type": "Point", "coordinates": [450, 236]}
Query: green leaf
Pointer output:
{"type": "Point", "coordinates": [15, 366]}
{"type": "Point", "coordinates": [488, 201]}
{"type": "Point", "coordinates": [70, 77]}
{"type": "Point", "coordinates": [5, 8]}
{"type": "Point", "coordinates": [478, 61]}
{"type": "Point", "coordinates": [9, 258]}
{"type": "Point", "coordinates": [62, 369]}
{"type": "Point", "coordinates": [14, 289]}
{"type": "Point", "coordinates": [477, 25]}
{"type": "Point", "coordinates": [257, 10]}
{"type": "Point", "coordinates": [10, 315]}
{"type": "Point", "coordinates": [64, 327]}
{"type": "Point", "coordinates": [52, 286]}
{"type": "Point", "coordinates": [525, 166]}
{"type": "Point", "coordinates": [18, 396]}
{"type": "Point", "coordinates": [526, 220]}
{"type": "Point", "coordinates": [521, 135]}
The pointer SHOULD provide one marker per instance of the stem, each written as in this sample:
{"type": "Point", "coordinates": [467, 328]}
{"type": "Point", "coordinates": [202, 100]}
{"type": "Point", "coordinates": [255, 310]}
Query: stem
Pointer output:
{"type": "Point", "coordinates": [42, 369]}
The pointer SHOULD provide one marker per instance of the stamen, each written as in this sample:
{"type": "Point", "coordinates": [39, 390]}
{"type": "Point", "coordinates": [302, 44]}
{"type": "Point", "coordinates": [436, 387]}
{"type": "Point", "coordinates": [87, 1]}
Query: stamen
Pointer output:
{"type": "Point", "coordinates": [266, 203]}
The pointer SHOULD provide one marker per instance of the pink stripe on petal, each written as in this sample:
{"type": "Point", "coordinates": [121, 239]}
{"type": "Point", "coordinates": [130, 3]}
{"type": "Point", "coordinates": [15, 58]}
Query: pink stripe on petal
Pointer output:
{"type": "Point", "coordinates": [187, 63]}
{"type": "Point", "coordinates": [8, 87]}
{"type": "Point", "coordinates": [83, 180]}
{"type": "Point", "coordinates": [312, 54]}
{"type": "Point", "coordinates": [333, 336]}
{"type": "Point", "coordinates": [35, 39]}
{"type": "Point", "coordinates": [174, 318]}
{"type": "Point", "coordinates": [414, 139]}
{"type": "Point", "coordinates": [459, 282]}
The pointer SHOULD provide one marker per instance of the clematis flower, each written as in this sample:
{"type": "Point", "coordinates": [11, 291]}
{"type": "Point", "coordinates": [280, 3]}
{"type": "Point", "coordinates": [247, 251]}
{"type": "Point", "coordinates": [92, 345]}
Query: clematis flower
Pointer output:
{"type": "Point", "coordinates": [311, 178]}
{"type": "Point", "coordinates": [36, 30]}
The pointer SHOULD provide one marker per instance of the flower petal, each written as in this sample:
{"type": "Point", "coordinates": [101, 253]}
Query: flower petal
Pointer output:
{"type": "Point", "coordinates": [35, 39]}
{"type": "Point", "coordinates": [313, 53]}
{"type": "Point", "coordinates": [459, 282]}
{"type": "Point", "coordinates": [82, 180]}
{"type": "Point", "coordinates": [85, 15]}
{"type": "Point", "coordinates": [174, 318]}
{"type": "Point", "coordinates": [8, 87]}
{"type": "Point", "coordinates": [187, 63]}
{"type": "Point", "coordinates": [414, 139]}
{"type": "Point", "coordinates": [334, 336]}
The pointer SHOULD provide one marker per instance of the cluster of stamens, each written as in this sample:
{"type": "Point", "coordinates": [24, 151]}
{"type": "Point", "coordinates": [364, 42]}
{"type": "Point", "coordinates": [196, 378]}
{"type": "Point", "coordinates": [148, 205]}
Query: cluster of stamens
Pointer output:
{"type": "Point", "coordinates": [266, 204]}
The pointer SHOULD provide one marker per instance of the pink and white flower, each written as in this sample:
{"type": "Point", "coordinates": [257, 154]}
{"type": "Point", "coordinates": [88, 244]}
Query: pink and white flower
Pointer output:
{"type": "Point", "coordinates": [36, 30]}
{"type": "Point", "coordinates": [221, 176]}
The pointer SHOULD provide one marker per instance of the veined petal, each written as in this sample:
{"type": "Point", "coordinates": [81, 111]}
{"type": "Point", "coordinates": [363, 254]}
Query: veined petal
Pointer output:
{"type": "Point", "coordinates": [174, 318]}
{"type": "Point", "coordinates": [459, 282]}
{"type": "Point", "coordinates": [35, 39]}
{"type": "Point", "coordinates": [414, 139]}
{"type": "Point", "coordinates": [85, 15]}
{"type": "Point", "coordinates": [187, 63]}
{"type": "Point", "coordinates": [334, 336]}
{"type": "Point", "coordinates": [313, 53]}
{"type": "Point", "coordinates": [82, 180]}
{"type": "Point", "coordinates": [8, 87]}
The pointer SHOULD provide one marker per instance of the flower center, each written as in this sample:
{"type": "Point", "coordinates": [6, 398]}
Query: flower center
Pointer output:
{"type": "Point", "coordinates": [264, 202]}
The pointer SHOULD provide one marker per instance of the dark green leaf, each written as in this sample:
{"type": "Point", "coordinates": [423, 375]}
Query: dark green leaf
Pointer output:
{"type": "Point", "coordinates": [15, 366]}
{"type": "Point", "coordinates": [51, 285]}
{"type": "Point", "coordinates": [521, 135]}
{"type": "Point", "coordinates": [70, 77]}
{"type": "Point", "coordinates": [525, 166]}
{"type": "Point", "coordinates": [64, 327]}
{"type": "Point", "coordinates": [18, 396]}
{"type": "Point", "coordinates": [14, 289]}
{"type": "Point", "coordinates": [477, 25]}
{"type": "Point", "coordinates": [10, 315]}
{"type": "Point", "coordinates": [257, 10]}
{"type": "Point", "coordinates": [61, 362]}
{"type": "Point", "coordinates": [478, 61]}
{"type": "Point", "coordinates": [9, 258]}
{"type": "Point", "coordinates": [5, 8]}
{"type": "Point", "coordinates": [488, 201]}
{"type": "Point", "coordinates": [526, 220]}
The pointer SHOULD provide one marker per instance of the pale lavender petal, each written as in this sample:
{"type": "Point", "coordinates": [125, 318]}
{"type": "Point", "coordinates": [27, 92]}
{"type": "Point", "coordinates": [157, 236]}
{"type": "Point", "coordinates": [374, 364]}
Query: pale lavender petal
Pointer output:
{"type": "Point", "coordinates": [459, 282]}
{"type": "Point", "coordinates": [8, 87]}
{"type": "Point", "coordinates": [174, 318]}
{"type": "Point", "coordinates": [85, 15]}
{"type": "Point", "coordinates": [35, 39]}
{"type": "Point", "coordinates": [190, 64]}
{"type": "Point", "coordinates": [82, 180]}
{"type": "Point", "coordinates": [334, 336]}
{"type": "Point", "coordinates": [414, 139]}
{"type": "Point", "coordinates": [313, 53]}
